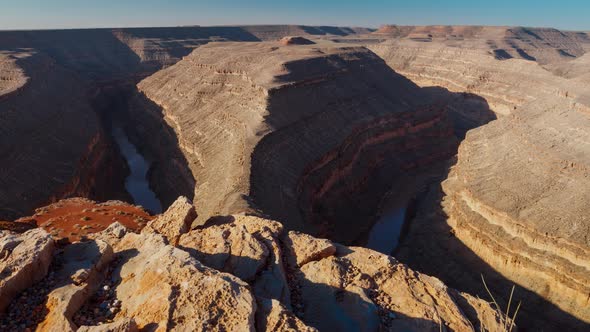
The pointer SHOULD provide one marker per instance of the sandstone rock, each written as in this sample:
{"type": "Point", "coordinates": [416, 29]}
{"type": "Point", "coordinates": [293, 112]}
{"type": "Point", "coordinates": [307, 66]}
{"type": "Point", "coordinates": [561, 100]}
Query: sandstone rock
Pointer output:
{"type": "Point", "coordinates": [359, 289]}
{"type": "Point", "coordinates": [25, 261]}
{"type": "Point", "coordinates": [154, 285]}
{"type": "Point", "coordinates": [260, 97]}
{"type": "Point", "coordinates": [295, 41]}
{"type": "Point", "coordinates": [80, 276]}
{"type": "Point", "coordinates": [174, 222]}
{"type": "Point", "coordinates": [515, 200]}
{"type": "Point", "coordinates": [306, 248]}
{"type": "Point", "coordinates": [18, 227]}
{"type": "Point", "coordinates": [122, 325]}
{"type": "Point", "coordinates": [271, 315]}
{"type": "Point", "coordinates": [230, 248]}
{"type": "Point", "coordinates": [247, 247]}
{"type": "Point", "coordinates": [162, 288]}
{"type": "Point", "coordinates": [338, 288]}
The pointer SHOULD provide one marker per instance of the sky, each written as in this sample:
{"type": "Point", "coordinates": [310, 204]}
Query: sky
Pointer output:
{"type": "Point", "coordinates": [50, 14]}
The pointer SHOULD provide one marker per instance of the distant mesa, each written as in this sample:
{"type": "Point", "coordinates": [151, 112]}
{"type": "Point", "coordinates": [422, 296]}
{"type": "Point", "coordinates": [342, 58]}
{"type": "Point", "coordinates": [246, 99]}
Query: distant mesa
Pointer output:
{"type": "Point", "coordinates": [290, 40]}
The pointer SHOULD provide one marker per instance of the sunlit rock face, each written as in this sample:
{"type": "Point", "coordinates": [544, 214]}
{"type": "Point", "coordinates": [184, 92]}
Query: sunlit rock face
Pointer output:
{"type": "Point", "coordinates": [236, 273]}
{"type": "Point", "coordinates": [516, 198]}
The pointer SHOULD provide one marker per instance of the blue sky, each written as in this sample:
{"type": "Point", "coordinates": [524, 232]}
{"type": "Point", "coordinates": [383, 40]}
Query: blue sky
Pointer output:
{"type": "Point", "coordinates": [43, 14]}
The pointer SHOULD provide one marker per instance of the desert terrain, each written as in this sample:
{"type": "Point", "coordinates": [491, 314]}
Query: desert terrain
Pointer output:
{"type": "Point", "coordinates": [330, 178]}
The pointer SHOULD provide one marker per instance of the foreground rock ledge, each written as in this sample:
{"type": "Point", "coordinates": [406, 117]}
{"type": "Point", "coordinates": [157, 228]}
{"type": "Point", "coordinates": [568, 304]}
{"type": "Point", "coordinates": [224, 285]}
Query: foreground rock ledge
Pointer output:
{"type": "Point", "coordinates": [234, 273]}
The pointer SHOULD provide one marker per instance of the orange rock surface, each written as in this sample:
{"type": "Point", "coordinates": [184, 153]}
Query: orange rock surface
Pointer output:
{"type": "Point", "coordinates": [75, 218]}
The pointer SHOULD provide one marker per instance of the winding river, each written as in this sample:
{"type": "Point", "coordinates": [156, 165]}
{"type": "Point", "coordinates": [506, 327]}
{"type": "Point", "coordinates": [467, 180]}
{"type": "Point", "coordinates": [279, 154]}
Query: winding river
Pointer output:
{"type": "Point", "coordinates": [136, 183]}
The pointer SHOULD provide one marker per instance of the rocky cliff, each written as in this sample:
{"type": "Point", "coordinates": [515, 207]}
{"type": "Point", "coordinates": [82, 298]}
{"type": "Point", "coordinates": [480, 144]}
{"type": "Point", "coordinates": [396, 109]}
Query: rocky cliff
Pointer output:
{"type": "Point", "coordinates": [291, 130]}
{"type": "Point", "coordinates": [515, 200]}
{"type": "Point", "coordinates": [235, 273]}
{"type": "Point", "coordinates": [59, 91]}
{"type": "Point", "coordinates": [53, 145]}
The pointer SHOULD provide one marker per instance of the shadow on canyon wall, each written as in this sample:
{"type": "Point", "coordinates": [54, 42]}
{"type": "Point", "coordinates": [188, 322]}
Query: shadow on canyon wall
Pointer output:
{"type": "Point", "coordinates": [106, 70]}
{"type": "Point", "coordinates": [342, 141]}
{"type": "Point", "coordinates": [352, 209]}
{"type": "Point", "coordinates": [170, 175]}
{"type": "Point", "coordinates": [429, 246]}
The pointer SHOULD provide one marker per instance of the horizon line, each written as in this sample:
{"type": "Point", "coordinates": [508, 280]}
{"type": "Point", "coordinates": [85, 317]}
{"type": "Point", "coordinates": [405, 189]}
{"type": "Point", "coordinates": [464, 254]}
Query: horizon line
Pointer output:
{"type": "Point", "coordinates": [376, 27]}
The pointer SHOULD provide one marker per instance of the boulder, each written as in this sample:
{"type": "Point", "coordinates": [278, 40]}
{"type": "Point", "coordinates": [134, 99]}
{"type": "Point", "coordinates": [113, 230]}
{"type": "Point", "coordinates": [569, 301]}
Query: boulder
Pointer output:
{"type": "Point", "coordinates": [245, 246]}
{"type": "Point", "coordinates": [26, 260]}
{"type": "Point", "coordinates": [175, 221]}
{"type": "Point", "coordinates": [163, 287]}
{"type": "Point", "coordinates": [122, 325]}
{"type": "Point", "coordinates": [273, 316]}
{"type": "Point", "coordinates": [305, 248]}
{"type": "Point", "coordinates": [77, 279]}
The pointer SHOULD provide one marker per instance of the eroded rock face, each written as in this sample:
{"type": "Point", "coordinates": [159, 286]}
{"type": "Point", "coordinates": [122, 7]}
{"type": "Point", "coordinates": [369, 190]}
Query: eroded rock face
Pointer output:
{"type": "Point", "coordinates": [79, 277]}
{"type": "Point", "coordinates": [336, 287]}
{"type": "Point", "coordinates": [24, 260]}
{"type": "Point", "coordinates": [50, 131]}
{"type": "Point", "coordinates": [295, 41]}
{"type": "Point", "coordinates": [530, 225]}
{"type": "Point", "coordinates": [176, 221]}
{"type": "Point", "coordinates": [516, 200]}
{"type": "Point", "coordinates": [162, 287]}
{"type": "Point", "coordinates": [364, 128]}
{"type": "Point", "coordinates": [145, 283]}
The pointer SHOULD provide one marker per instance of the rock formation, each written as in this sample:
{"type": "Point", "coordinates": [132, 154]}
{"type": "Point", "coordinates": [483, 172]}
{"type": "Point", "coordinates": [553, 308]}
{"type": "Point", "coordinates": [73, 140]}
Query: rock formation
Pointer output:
{"type": "Point", "coordinates": [316, 120]}
{"type": "Point", "coordinates": [272, 280]}
{"type": "Point", "coordinates": [543, 45]}
{"type": "Point", "coordinates": [318, 132]}
{"type": "Point", "coordinates": [295, 41]}
{"type": "Point", "coordinates": [59, 90]}
{"type": "Point", "coordinates": [515, 198]}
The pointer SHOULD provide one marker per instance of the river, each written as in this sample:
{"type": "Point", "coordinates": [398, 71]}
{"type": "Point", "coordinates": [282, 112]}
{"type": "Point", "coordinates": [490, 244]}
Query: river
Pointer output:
{"type": "Point", "coordinates": [136, 183]}
{"type": "Point", "coordinates": [384, 236]}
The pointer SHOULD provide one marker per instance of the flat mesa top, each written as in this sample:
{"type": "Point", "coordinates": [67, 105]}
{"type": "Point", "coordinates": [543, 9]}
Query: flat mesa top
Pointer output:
{"type": "Point", "coordinates": [266, 63]}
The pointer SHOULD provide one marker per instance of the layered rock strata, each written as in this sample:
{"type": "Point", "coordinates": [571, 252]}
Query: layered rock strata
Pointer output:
{"type": "Point", "coordinates": [516, 196]}
{"type": "Point", "coordinates": [272, 280]}
{"type": "Point", "coordinates": [542, 45]}
{"type": "Point", "coordinates": [322, 122]}
{"type": "Point", "coordinates": [53, 145]}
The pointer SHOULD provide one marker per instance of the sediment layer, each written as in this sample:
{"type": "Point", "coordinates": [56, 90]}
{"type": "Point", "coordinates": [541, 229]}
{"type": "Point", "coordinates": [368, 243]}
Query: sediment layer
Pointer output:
{"type": "Point", "coordinates": [267, 126]}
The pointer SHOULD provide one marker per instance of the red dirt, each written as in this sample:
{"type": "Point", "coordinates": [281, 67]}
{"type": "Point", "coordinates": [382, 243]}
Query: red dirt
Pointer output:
{"type": "Point", "coordinates": [75, 218]}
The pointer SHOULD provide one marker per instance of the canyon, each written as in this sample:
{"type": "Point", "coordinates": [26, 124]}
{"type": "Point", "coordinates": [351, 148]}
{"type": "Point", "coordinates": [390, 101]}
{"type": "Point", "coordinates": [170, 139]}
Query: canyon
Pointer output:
{"type": "Point", "coordinates": [460, 150]}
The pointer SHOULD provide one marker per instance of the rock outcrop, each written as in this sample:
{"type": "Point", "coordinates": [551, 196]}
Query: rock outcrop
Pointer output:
{"type": "Point", "coordinates": [126, 281]}
{"type": "Point", "coordinates": [319, 121]}
{"type": "Point", "coordinates": [24, 260]}
{"type": "Point", "coordinates": [295, 41]}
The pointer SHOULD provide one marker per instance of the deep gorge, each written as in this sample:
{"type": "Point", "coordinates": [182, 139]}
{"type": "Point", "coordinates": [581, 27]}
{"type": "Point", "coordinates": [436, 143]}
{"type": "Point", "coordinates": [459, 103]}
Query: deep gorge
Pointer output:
{"type": "Point", "coordinates": [333, 141]}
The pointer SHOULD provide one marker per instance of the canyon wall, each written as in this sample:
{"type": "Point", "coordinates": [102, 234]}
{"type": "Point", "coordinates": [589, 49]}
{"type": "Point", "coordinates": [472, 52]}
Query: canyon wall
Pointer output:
{"type": "Point", "coordinates": [516, 198]}
{"type": "Point", "coordinates": [55, 140]}
{"type": "Point", "coordinates": [312, 135]}
{"type": "Point", "coordinates": [52, 143]}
